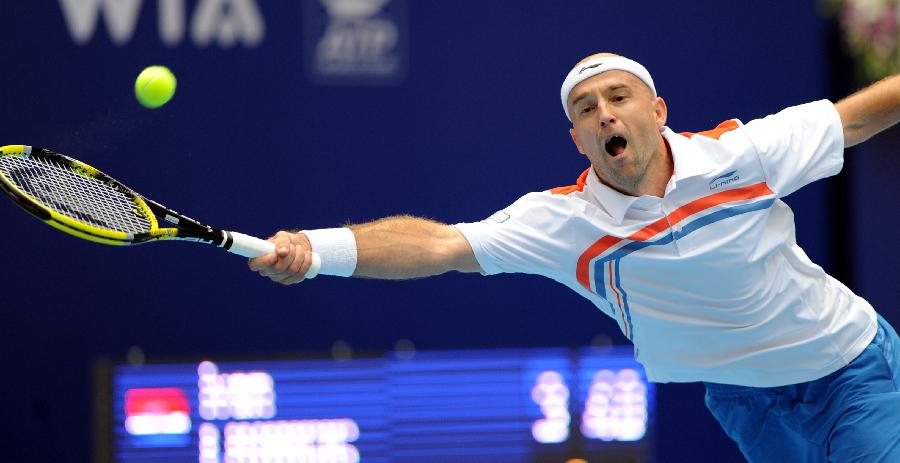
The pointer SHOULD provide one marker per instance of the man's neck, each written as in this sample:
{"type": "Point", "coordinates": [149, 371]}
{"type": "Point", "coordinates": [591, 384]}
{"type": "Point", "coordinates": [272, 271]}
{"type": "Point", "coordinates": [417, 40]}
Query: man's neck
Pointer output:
{"type": "Point", "coordinates": [659, 172]}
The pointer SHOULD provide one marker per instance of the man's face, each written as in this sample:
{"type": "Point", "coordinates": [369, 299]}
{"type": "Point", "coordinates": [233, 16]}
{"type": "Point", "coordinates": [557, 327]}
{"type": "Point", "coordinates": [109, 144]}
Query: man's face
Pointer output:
{"type": "Point", "coordinates": [616, 123]}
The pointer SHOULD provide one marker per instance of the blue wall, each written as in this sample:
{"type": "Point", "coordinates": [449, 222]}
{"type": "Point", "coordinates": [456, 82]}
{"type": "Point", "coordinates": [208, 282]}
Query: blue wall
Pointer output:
{"type": "Point", "coordinates": [873, 193]}
{"type": "Point", "coordinates": [256, 139]}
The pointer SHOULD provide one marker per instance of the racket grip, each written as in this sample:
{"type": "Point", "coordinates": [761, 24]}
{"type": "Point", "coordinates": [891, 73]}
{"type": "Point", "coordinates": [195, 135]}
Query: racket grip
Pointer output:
{"type": "Point", "coordinates": [251, 246]}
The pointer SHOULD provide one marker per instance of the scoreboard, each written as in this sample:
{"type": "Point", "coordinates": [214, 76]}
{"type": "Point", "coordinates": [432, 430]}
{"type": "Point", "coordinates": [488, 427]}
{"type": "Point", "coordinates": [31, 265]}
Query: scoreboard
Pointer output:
{"type": "Point", "coordinates": [508, 405]}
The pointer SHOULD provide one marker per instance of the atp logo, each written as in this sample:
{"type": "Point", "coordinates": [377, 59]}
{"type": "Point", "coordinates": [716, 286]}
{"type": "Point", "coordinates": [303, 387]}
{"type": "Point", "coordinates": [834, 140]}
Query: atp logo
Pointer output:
{"type": "Point", "coordinates": [355, 41]}
{"type": "Point", "coordinates": [225, 22]}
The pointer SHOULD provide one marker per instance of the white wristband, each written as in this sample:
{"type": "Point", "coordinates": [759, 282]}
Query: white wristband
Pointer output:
{"type": "Point", "coordinates": [336, 247]}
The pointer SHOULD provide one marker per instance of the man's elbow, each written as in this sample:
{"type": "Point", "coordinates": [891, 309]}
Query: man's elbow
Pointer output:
{"type": "Point", "coordinates": [458, 254]}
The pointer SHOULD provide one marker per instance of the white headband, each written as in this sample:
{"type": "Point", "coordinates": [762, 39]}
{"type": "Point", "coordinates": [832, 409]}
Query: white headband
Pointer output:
{"type": "Point", "coordinates": [596, 66]}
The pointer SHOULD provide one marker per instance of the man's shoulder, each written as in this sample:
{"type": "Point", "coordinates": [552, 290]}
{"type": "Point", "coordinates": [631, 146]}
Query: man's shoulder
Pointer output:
{"type": "Point", "coordinates": [559, 203]}
{"type": "Point", "coordinates": [577, 187]}
{"type": "Point", "coordinates": [717, 132]}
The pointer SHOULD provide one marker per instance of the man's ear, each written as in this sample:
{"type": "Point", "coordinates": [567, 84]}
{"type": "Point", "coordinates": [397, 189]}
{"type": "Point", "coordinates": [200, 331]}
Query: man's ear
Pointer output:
{"type": "Point", "coordinates": [577, 143]}
{"type": "Point", "coordinates": [662, 112]}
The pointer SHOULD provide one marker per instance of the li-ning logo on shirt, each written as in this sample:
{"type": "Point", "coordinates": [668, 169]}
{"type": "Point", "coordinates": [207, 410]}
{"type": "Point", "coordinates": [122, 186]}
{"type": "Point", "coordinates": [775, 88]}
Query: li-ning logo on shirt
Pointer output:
{"type": "Point", "coordinates": [589, 67]}
{"type": "Point", "coordinates": [724, 179]}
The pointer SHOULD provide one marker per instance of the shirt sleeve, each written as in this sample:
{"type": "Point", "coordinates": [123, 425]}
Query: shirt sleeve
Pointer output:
{"type": "Point", "coordinates": [517, 239]}
{"type": "Point", "coordinates": [798, 145]}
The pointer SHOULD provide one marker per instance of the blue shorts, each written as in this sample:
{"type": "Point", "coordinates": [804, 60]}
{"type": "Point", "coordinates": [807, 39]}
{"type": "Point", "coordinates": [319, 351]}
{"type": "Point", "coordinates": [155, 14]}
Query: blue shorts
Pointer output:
{"type": "Point", "coordinates": [851, 415]}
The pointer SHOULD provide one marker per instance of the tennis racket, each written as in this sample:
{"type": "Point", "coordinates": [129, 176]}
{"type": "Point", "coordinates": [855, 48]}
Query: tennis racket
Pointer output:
{"type": "Point", "coordinates": [78, 199]}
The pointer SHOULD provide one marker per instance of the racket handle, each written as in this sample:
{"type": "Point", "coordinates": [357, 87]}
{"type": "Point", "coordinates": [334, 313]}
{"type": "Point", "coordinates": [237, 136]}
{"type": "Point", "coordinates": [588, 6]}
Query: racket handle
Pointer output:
{"type": "Point", "coordinates": [251, 246]}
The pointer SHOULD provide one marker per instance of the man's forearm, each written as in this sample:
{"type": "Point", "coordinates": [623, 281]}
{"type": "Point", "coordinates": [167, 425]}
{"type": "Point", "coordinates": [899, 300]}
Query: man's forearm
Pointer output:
{"type": "Point", "coordinates": [870, 110]}
{"type": "Point", "coordinates": [404, 247]}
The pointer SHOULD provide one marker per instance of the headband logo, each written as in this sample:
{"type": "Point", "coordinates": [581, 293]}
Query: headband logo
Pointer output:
{"type": "Point", "coordinates": [589, 67]}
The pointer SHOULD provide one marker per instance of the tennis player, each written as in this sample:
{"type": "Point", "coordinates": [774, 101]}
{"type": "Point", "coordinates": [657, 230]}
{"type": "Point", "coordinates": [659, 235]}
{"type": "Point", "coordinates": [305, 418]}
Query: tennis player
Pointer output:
{"type": "Point", "coordinates": [684, 240]}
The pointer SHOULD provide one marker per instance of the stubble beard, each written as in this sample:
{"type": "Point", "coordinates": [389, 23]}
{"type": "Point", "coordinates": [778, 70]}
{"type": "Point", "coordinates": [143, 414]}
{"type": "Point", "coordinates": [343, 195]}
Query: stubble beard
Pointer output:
{"type": "Point", "coordinates": [627, 184]}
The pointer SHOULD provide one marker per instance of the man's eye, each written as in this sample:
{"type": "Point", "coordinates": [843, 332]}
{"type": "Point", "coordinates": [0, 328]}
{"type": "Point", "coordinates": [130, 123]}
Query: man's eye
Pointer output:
{"type": "Point", "coordinates": [618, 98]}
{"type": "Point", "coordinates": [586, 109]}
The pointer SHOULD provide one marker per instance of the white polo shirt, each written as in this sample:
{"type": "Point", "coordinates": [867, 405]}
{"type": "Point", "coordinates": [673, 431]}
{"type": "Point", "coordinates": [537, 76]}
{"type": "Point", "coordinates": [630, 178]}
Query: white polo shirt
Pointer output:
{"type": "Point", "coordinates": [707, 282]}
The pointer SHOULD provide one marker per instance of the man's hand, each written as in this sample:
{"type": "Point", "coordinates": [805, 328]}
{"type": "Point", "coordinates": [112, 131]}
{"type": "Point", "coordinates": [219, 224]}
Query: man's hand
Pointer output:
{"type": "Point", "coordinates": [290, 261]}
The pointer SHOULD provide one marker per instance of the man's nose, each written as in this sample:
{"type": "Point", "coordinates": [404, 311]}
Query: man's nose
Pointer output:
{"type": "Point", "coordinates": [605, 118]}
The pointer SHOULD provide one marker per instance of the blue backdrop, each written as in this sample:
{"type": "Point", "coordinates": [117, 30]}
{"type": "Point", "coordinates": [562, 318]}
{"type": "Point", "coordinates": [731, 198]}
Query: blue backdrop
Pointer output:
{"type": "Point", "coordinates": [289, 114]}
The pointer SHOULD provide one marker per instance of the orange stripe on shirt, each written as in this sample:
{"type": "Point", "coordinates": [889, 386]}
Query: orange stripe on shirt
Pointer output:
{"type": "Point", "coordinates": [727, 196]}
{"type": "Point", "coordinates": [583, 267]}
{"type": "Point", "coordinates": [717, 132]}
{"type": "Point", "coordinates": [618, 298]}
{"type": "Point", "coordinates": [613, 287]}
{"type": "Point", "coordinates": [578, 186]}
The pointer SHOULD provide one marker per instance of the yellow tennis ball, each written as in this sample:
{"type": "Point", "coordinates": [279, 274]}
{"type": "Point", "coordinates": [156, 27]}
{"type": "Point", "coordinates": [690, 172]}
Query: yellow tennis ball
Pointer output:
{"type": "Point", "coordinates": [154, 86]}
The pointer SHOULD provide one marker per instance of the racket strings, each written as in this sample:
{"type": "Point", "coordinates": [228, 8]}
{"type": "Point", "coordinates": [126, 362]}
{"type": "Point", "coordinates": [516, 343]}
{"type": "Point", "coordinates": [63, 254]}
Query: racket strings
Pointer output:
{"type": "Point", "coordinates": [82, 198]}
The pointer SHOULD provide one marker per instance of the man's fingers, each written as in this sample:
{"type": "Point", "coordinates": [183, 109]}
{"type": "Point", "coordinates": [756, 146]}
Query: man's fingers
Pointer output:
{"type": "Point", "coordinates": [290, 261]}
{"type": "Point", "coordinates": [281, 240]}
{"type": "Point", "coordinates": [300, 267]}
{"type": "Point", "coordinates": [291, 279]}
{"type": "Point", "coordinates": [282, 250]}
{"type": "Point", "coordinates": [281, 278]}
{"type": "Point", "coordinates": [258, 263]}
{"type": "Point", "coordinates": [300, 259]}
{"type": "Point", "coordinates": [286, 253]}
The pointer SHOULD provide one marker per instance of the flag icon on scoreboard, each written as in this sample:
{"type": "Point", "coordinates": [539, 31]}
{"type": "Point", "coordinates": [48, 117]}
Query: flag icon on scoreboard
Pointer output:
{"type": "Point", "coordinates": [155, 411]}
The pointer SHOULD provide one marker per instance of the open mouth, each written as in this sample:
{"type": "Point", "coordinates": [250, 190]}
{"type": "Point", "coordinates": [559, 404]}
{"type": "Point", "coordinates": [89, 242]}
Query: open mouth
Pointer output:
{"type": "Point", "coordinates": [615, 145]}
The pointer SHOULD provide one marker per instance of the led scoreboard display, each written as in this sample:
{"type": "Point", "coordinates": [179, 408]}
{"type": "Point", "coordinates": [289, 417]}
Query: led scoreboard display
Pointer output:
{"type": "Point", "coordinates": [513, 405]}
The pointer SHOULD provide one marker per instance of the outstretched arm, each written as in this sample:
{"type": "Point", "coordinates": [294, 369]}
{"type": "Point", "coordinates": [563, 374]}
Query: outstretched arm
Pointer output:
{"type": "Point", "coordinates": [401, 247]}
{"type": "Point", "coordinates": [870, 110]}
{"type": "Point", "coordinates": [405, 247]}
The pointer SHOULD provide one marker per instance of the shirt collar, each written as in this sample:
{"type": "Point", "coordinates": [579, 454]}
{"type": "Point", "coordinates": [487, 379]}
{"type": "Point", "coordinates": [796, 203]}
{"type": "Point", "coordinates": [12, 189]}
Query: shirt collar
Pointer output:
{"type": "Point", "coordinates": [687, 162]}
{"type": "Point", "coordinates": [617, 204]}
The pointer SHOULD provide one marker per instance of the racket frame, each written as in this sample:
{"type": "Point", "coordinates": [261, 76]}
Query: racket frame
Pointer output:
{"type": "Point", "coordinates": [185, 229]}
